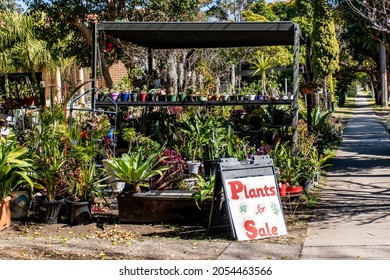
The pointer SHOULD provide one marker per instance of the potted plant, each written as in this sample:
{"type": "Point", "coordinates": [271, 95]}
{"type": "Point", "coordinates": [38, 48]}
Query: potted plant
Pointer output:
{"type": "Point", "coordinates": [312, 167]}
{"type": "Point", "coordinates": [115, 92]}
{"type": "Point", "coordinates": [46, 147]}
{"type": "Point", "coordinates": [126, 84]}
{"type": "Point", "coordinates": [15, 172]}
{"type": "Point", "coordinates": [182, 96]}
{"type": "Point", "coordinates": [224, 96]}
{"type": "Point", "coordinates": [287, 165]}
{"type": "Point", "coordinates": [136, 170]}
{"type": "Point", "coordinates": [248, 91]}
{"type": "Point", "coordinates": [161, 94]}
{"type": "Point", "coordinates": [196, 132]}
{"type": "Point", "coordinates": [204, 190]}
{"type": "Point", "coordinates": [85, 179]}
{"type": "Point", "coordinates": [87, 185]}
{"type": "Point", "coordinates": [192, 93]}
{"type": "Point", "coordinates": [51, 181]}
{"type": "Point", "coordinates": [143, 93]}
{"type": "Point", "coordinates": [171, 177]}
{"type": "Point", "coordinates": [152, 94]}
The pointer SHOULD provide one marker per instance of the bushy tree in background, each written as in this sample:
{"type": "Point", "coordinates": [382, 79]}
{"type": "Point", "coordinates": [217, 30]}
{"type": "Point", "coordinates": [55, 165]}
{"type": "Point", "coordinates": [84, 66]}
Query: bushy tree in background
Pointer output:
{"type": "Point", "coordinates": [324, 54]}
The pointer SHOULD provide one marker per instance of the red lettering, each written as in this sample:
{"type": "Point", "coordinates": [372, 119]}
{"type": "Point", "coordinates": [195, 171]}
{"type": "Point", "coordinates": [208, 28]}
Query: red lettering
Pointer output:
{"type": "Point", "coordinates": [236, 187]}
{"type": "Point", "coordinates": [252, 232]}
{"type": "Point", "coordinates": [260, 192]}
{"type": "Point", "coordinates": [274, 231]}
{"type": "Point", "coordinates": [253, 193]}
{"type": "Point", "coordinates": [250, 228]}
{"type": "Point", "coordinates": [272, 191]}
{"type": "Point", "coordinates": [246, 192]}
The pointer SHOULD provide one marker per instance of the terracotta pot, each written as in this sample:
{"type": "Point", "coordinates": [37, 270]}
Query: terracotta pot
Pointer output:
{"type": "Point", "coordinates": [5, 213]}
{"type": "Point", "coordinates": [307, 90]}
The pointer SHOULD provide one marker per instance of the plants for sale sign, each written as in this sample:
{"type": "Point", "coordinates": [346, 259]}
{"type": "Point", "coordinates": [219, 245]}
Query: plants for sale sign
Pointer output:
{"type": "Point", "coordinates": [254, 207]}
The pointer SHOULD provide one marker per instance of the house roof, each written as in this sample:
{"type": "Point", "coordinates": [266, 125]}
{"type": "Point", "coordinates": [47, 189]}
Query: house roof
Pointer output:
{"type": "Point", "coordinates": [169, 35]}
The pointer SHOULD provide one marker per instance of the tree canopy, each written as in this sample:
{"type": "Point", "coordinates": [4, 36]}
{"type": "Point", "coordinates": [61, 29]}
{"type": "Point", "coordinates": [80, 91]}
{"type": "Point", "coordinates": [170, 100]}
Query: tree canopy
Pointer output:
{"type": "Point", "coordinates": [328, 27]}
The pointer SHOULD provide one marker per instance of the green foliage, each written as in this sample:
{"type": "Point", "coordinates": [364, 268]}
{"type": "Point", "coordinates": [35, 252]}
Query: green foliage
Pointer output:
{"type": "Point", "coordinates": [306, 163]}
{"type": "Point", "coordinates": [204, 190]}
{"type": "Point", "coordinates": [210, 137]}
{"type": "Point", "coordinates": [138, 141]}
{"type": "Point", "coordinates": [325, 46]}
{"type": "Point", "coordinates": [325, 127]}
{"type": "Point", "coordinates": [10, 5]}
{"type": "Point", "coordinates": [50, 170]}
{"type": "Point", "coordinates": [263, 9]}
{"type": "Point", "coordinates": [197, 132]}
{"type": "Point", "coordinates": [135, 170]}
{"type": "Point", "coordinates": [86, 180]}
{"type": "Point", "coordinates": [160, 10]}
{"type": "Point", "coordinates": [252, 16]}
{"type": "Point", "coordinates": [352, 89]}
{"type": "Point", "coordinates": [89, 182]}
{"type": "Point", "coordinates": [286, 163]}
{"type": "Point", "coordinates": [15, 168]}
{"type": "Point", "coordinates": [21, 47]}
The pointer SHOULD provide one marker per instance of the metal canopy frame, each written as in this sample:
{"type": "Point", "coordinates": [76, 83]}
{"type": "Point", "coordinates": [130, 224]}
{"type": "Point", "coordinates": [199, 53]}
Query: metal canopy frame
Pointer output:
{"type": "Point", "coordinates": [172, 35]}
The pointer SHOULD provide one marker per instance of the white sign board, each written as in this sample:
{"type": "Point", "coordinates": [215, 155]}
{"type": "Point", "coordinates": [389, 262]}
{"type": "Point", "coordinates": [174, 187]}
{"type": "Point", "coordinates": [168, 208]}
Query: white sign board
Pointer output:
{"type": "Point", "coordinates": [254, 207]}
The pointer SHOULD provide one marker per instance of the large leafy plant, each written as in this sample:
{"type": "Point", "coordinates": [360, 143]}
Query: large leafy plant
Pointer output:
{"type": "Point", "coordinates": [136, 170]}
{"type": "Point", "coordinates": [14, 167]}
{"type": "Point", "coordinates": [197, 132]}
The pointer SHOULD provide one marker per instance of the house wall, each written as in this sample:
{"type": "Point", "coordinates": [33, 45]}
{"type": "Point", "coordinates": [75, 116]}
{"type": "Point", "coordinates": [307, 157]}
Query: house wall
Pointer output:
{"type": "Point", "coordinates": [117, 71]}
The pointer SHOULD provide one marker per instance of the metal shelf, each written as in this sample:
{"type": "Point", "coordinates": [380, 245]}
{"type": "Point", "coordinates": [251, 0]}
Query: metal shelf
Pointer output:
{"type": "Point", "coordinates": [195, 103]}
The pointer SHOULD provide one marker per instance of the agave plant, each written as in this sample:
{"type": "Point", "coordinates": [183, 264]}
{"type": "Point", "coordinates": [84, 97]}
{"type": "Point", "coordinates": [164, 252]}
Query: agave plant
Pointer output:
{"type": "Point", "coordinates": [14, 168]}
{"type": "Point", "coordinates": [136, 170]}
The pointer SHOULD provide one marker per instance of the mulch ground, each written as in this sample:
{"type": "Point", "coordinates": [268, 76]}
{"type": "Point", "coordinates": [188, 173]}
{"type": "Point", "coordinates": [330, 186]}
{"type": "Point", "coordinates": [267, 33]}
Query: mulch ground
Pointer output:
{"type": "Point", "coordinates": [105, 226]}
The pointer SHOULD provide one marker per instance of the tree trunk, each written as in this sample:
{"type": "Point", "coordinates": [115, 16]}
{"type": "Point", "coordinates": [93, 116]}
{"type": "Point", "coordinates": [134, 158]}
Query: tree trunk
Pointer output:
{"type": "Point", "coordinates": [88, 38]}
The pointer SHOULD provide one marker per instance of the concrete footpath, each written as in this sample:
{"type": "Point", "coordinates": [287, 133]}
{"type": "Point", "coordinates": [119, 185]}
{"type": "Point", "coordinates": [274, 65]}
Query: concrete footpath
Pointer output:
{"type": "Point", "coordinates": [353, 217]}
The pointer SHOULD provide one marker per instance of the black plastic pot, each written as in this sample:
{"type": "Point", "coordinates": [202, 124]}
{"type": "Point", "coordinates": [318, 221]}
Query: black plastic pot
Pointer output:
{"type": "Point", "coordinates": [79, 212]}
{"type": "Point", "coordinates": [49, 210]}
{"type": "Point", "coordinates": [210, 167]}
